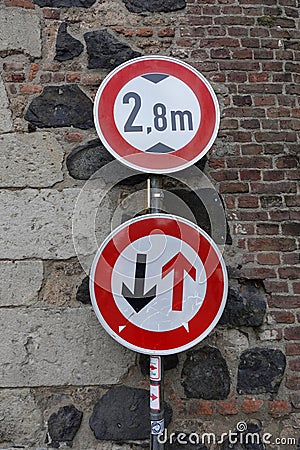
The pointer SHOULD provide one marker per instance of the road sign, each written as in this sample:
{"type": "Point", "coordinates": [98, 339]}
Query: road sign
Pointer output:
{"type": "Point", "coordinates": [156, 114]}
{"type": "Point", "coordinates": [158, 284]}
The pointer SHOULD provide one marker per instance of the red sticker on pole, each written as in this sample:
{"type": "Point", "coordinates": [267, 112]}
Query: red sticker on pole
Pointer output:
{"type": "Point", "coordinates": [156, 114]}
{"type": "Point", "coordinates": [158, 284]}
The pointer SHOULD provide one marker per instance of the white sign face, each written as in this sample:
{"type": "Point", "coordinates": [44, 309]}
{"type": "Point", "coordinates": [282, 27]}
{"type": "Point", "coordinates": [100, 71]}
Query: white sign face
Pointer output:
{"type": "Point", "coordinates": [162, 313]}
{"type": "Point", "coordinates": [154, 397]}
{"type": "Point", "coordinates": [157, 113]}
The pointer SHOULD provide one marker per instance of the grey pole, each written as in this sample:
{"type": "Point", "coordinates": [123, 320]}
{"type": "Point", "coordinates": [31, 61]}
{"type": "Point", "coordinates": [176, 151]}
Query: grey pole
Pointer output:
{"type": "Point", "coordinates": [155, 205]}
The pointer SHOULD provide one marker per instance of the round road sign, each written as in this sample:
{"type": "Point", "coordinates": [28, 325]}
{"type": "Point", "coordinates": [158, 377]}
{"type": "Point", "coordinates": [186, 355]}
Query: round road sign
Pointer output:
{"type": "Point", "coordinates": [156, 114]}
{"type": "Point", "coordinates": [158, 284]}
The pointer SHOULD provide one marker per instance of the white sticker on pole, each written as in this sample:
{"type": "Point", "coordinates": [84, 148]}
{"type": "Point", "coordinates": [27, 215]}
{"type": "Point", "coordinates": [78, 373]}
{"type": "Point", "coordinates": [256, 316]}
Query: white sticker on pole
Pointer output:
{"type": "Point", "coordinates": [155, 368]}
{"type": "Point", "coordinates": [154, 397]}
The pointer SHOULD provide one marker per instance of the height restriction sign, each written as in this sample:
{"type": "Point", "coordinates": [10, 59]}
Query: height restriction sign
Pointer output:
{"type": "Point", "coordinates": [158, 284]}
{"type": "Point", "coordinates": [156, 114]}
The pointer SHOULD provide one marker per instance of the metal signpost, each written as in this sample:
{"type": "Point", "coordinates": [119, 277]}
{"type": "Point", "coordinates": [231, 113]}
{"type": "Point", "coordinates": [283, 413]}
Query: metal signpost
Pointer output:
{"type": "Point", "coordinates": [158, 282]}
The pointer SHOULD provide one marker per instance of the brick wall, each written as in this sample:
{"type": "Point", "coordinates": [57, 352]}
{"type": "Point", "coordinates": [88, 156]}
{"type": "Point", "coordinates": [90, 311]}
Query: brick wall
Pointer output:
{"type": "Point", "coordinates": [53, 352]}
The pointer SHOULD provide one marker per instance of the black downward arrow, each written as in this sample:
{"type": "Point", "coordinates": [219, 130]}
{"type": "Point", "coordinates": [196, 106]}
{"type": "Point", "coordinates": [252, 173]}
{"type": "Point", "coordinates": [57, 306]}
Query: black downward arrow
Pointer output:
{"type": "Point", "coordinates": [137, 299]}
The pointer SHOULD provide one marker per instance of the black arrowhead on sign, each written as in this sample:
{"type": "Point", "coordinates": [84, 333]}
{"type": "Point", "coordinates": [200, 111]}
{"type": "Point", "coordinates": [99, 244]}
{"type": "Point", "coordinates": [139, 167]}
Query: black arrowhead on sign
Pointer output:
{"type": "Point", "coordinates": [137, 299]}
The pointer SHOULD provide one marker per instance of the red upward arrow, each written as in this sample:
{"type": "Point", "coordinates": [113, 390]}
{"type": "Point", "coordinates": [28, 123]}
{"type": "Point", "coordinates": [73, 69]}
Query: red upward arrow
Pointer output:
{"type": "Point", "coordinates": [180, 265]}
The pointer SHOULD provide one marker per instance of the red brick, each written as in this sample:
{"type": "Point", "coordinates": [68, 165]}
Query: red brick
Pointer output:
{"type": "Point", "coordinates": [280, 215]}
{"type": "Point", "coordinates": [14, 77]}
{"type": "Point", "coordinates": [292, 349]}
{"type": "Point", "coordinates": [51, 13]}
{"type": "Point", "coordinates": [284, 301]}
{"type": "Point", "coordinates": [222, 175]}
{"type": "Point", "coordinates": [249, 216]}
{"type": "Point", "coordinates": [294, 365]}
{"type": "Point", "coordinates": [30, 89]}
{"type": "Point", "coordinates": [291, 229]}
{"type": "Point", "coordinates": [292, 200]}
{"type": "Point", "coordinates": [247, 201]}
{"type": "Point", "coordinates": [20, 3]}
{"type": "Point", "coordinates": [91, 80]}
{"type": "Point", "coordinates": [250, 175]}
{"type": "Point", "coordinates": [264, 100]}
{"type": "Point", "coordinates": [287, 162]}
{"type": "Point", "coordinates": [128, 32]}
{"type": "Point", "coordinates": [268, 259]}
{"type": "Point", "coordinates": [250, 405]}
{"type": "Point", "coordinates": [46, 77]}
{"type": "Point", "coordinates": [34, 68]}
{"type": "Point", "coordinates": [220, 53]}
{"type": "Point", "coordinates": [205, 408]}
{"type": "Point", "coordinates": [278, 408]}
{"type": "Point", "coordinates": [73, 77]}
{"type": "Point", "coordinates": [276, 286]}
{"type": "Point", "coordinates": [166, 32]}
{"type": "Point", "coordinates": [292, 333]}
{"type": "Point", "coordinates": [230, 202]}
{"type": "Point", "coordinates": [283, 317]}
{"type": "Point", "coordinates": [237, 77]}
{"type": "Point", "coordinates": [219, 42]}
{"type": "Point", "coordinates": [276, 137]}
{"type": "Point", "coordinates": [13, 66]}
{"type": "Point", "coordinates": [293, 382]}
{"type": "Point", "coordinates": [216, 163]}
{"type": "Point", "coordinates": [271, 244]}
{"type": "Point", "coordinates": [251, 149]}
{"type": "Point", "coordinates": [73, 137]}
{"type": "Point", "coordinates": [258, 77]}
{"type": "Point", "coordinates": [227, 408]}
{"type": "Point", "coordinates": [292, 272]}
{"type": "Point", "coordinates": [58, 77]}
{"type": "Point", "coordinates": [244, 53]}
{"type": "Point", "coordinates": [144, 32]}
{"type": "Point", "coordinates": [257, 162]}
{"type": "Point", "coordinates": [233, 188]}
{"type": "Point", "coordinates": [251, 124]}
{"type": "Point", "coordinates": [273, 175]}
{"type": "Point", "coordinates": [258, 273]}
{"type": "Point", "coordinates": [290, 258]}
{"type": "Point", "coordinates": [274, 188]}
{"type": "Point", "coordinates": [296, 288]}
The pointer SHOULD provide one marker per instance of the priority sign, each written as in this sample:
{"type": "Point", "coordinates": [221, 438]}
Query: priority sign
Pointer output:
{"type": "Point", "coordinates": [158, 284]}
{"type": "Point", "coordinates": [156, 114]}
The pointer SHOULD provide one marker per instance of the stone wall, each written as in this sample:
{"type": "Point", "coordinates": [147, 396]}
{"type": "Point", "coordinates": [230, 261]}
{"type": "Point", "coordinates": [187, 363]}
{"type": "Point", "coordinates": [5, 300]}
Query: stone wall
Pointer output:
{"type": "Point", "coordinates": [63, 380]}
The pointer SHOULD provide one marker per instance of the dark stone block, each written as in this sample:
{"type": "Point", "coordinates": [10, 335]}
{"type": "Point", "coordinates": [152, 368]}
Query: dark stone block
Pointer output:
{"type": "Point", "coordinates": [86, 159]}
{"type": "Point", "coordinates": [138, 6]}
{"type": "Point", "coordinates": [105, 51]}
{"type": "Point", "coordinates": [245, 306]}
{"type": "Point", "coordinates": [169, 362]}
{"type": "Point", "coordinates": [205, 374]}
{"type": "Point", "coordinates": [61, 106]}
{"type": "Point", "coordinates": [83, 292]}
{"type": "Point", "coordinates": [64, 3]}
{"type": "Point", "coordinates": [67, 47]}
{"type": "Point", "coordinates": [63, 425]}
{"type": "Point", "coordinates": [260, 370]}
{"type": "Point", "coordinates": [123, 414]}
